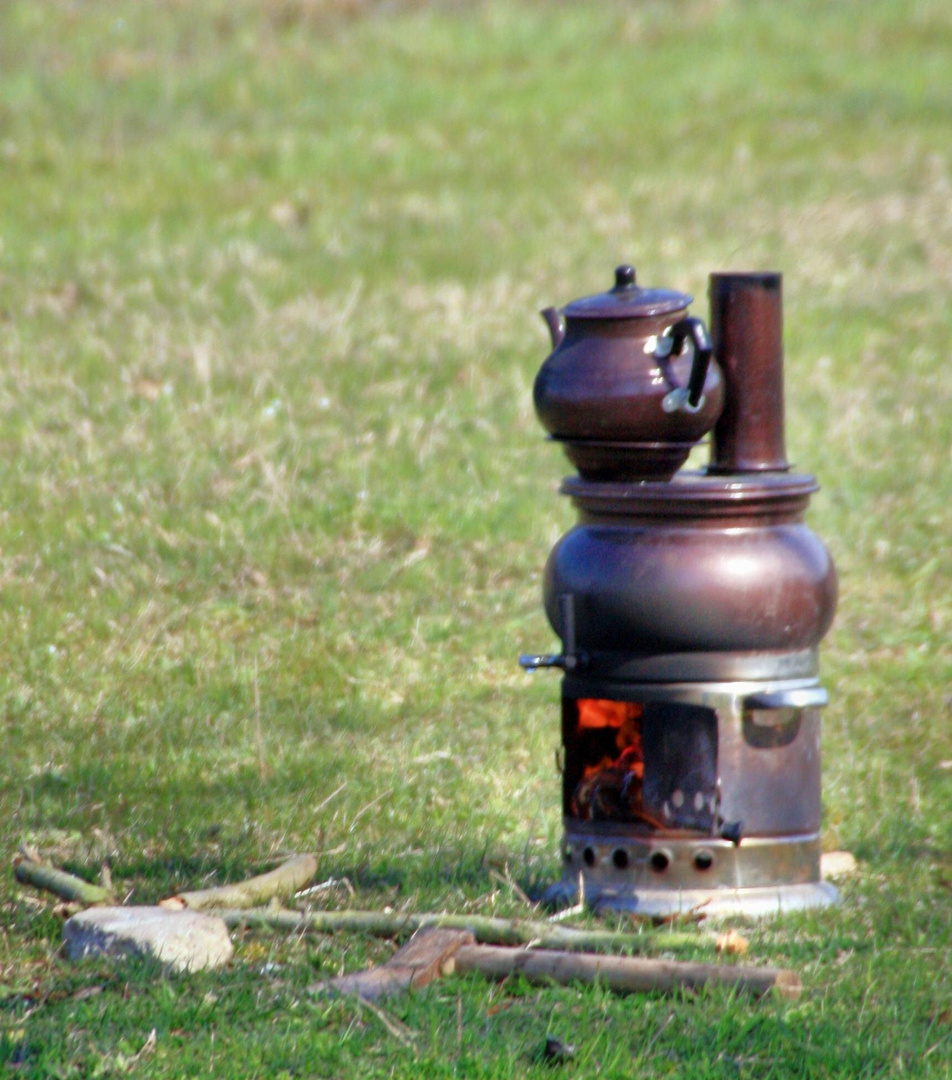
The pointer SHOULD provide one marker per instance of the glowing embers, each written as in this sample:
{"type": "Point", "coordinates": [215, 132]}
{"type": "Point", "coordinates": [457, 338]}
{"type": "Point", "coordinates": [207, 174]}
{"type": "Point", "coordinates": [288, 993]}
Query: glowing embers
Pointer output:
{"type": "Point", "coordinates": [652, 763]}
{"type": "Point", "coordinates": [610, 788]}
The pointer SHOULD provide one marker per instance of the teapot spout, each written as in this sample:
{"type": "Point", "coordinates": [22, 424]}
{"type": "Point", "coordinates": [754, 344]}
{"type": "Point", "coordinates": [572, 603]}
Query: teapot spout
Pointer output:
{"type": "Point", "coordinates": [556, 324]}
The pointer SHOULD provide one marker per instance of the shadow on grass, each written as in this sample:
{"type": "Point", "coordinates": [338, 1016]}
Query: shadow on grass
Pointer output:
{"type": "Point", "coordinates": [467, 871]}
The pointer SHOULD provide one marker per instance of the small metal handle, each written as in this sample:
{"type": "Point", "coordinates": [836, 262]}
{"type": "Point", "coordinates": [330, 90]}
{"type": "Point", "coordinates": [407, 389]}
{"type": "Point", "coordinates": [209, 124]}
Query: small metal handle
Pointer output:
{"type": "Point", "coordinates": [689, 398]}
{"type": "Point", "coordinates": [565, 661]}
{"type": "Point", "coordinates": [809, 697]}
{"type": "Point", "coordinates": [531, 661]}
{"type": "Point", "coordinates": [570, 658]}
{"type": "Point", "coordinates": [732, 831]}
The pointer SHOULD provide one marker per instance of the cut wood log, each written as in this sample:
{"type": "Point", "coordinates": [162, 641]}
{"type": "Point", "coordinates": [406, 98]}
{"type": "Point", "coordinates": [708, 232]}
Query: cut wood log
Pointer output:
{"type": "Point", "coordinates": [60, 883]}
{"type": "Point", "coordinates": [623, 974]}
{"type": "Point", "coordinates": [433, 952]}
{"type": "Point", "coordinates": [486, 929]}
{"type": "Point", "coordinates": [417, 963]}
{"type": "Point", "coordinates": [283, 881]}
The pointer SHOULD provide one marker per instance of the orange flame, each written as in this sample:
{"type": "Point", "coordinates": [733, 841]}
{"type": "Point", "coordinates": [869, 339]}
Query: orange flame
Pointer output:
{"type": "Point", "coordinates": [597, 713]}
{"type": "Point", "coordinates": [610, 789]}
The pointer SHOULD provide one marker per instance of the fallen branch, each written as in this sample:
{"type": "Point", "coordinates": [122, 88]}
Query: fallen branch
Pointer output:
{"type": "Point", "coordinates": [284, 880]}
{"type": "Point", "coordinates": [62, 884]}
{"type": "Point", "coordinates": [433, 952]}
{"type": "Point", "coordinates": [624, 974]}
{"type": "Point", "coordinates": [487, 930]}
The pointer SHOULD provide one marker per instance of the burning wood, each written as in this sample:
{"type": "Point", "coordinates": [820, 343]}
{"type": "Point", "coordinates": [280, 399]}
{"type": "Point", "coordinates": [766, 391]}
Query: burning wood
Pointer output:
{"type": "Point", "coordinates": [611, 790]}
{"type": "Point", "coordinates": [596, 713]}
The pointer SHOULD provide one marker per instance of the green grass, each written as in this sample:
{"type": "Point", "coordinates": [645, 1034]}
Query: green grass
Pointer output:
{"type": "Point", "coordinates": [274, 504]}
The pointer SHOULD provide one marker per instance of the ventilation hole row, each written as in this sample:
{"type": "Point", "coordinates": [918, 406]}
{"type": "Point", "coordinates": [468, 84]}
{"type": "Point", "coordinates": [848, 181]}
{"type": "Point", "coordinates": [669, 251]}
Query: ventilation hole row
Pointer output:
{"type": "Point", "coordinates": [659, 861]}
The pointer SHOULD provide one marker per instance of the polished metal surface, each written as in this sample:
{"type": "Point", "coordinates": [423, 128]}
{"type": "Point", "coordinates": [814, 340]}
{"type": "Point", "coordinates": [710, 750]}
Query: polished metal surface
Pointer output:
{"type": "Point", "coordinates": [768, 789]}
{"type": "Point", "coordinates": [747, 328]}
{"type": "Point", "coordinates": [699, 565]}
{"type": "Point", "coordinates": [690, 606]}
{"type": "Point", "coordinates": [618, 383]}
{"type": "Point", "coordinates": [612, 669]}
{"type": "Point", "coordinates": [711, 903]}
{"type": "Point", "coordinates": [671, 862]}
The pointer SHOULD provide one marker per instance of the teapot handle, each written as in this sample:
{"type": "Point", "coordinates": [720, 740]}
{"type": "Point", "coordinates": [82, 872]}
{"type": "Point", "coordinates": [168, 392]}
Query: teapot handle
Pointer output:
{"type": "Point", "coordinates": [690, 398]}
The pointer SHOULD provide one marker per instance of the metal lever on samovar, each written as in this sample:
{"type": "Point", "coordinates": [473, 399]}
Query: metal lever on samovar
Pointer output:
{"type": "Point", "coordinates": [569, 659]}
{"type": "Point", "coordinates": [733, 831]}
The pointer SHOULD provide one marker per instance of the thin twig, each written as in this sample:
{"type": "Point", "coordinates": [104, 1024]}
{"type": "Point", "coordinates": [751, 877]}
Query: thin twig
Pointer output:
{"type": "Point", "coordinates": [320, 887]}
{"type": "Point", "coordinates": [363, 810]}
{"type": "Point", "coordinates": [657, 1035]}
{"type": "Point", "coordinates": [575, 909]}
{"type": "Point", "coordinates": [259, 740]}
{"type": "Point", "coordinates": [398, 1030]}
{"type": "Point", "coordinates": [506, 879]}
{"type": "Point", "coordinates": [486, 929]}
{"type": "Point", "coordinates": [333, 795]}
{"type": "Point", "coordinates": [459, 1025]}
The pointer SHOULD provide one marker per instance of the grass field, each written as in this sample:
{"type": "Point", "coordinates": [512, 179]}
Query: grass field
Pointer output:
{"type": "Point", "coordinates": [274, 503]}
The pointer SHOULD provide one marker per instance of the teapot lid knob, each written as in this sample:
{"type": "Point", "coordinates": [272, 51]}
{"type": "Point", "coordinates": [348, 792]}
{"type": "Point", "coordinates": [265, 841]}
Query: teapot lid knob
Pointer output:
{"type": "Point", "coordinates": [626, 300]}
{"type": "Point", "coordinates": [624, 277]}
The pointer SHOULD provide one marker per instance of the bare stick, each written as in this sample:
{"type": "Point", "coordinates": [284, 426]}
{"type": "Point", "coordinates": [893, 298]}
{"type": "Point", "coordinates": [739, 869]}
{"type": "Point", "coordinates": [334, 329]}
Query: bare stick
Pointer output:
{"type": "Point", "coordinates": [59, 882]}
{"type": "Point", "coordinates": [259, 741]}
{"type": "Point", "coordinates": [621, 973]}
{"type": "Point", "coordinates": [398, 1030]}
{"type": "Point", "coordinates": [485, 929]}
{"type": "Point", "coordinates": [282, 881]}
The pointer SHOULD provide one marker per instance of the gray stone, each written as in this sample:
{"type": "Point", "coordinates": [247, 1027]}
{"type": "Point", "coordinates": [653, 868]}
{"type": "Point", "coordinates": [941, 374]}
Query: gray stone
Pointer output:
{"type": "Point", "coordinates": [185, 940]}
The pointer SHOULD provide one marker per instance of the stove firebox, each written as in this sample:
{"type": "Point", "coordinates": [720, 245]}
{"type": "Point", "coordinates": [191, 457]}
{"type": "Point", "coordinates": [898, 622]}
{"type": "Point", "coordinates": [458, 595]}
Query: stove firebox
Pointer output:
{"type": "Point", "coordinates": [690, 606]}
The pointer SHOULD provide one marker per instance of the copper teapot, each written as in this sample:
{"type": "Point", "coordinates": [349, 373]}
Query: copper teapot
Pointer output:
{"type": "Point", "coordinates": [620, 391]}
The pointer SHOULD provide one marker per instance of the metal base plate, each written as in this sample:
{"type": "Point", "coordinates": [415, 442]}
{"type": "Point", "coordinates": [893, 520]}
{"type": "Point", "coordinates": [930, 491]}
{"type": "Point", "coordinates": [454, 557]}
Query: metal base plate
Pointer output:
{"type": "Point", "coordinates": [668, 874]}
{"type": "Point", "coordinates": [762, 902]}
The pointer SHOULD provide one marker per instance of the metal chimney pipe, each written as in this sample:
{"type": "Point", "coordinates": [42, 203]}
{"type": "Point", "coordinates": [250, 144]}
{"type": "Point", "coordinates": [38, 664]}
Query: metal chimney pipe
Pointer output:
{"type": "Point", "coordinates": [747, 333]}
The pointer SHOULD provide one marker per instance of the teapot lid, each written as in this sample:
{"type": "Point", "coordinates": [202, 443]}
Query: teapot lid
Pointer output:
{"type": "Point", "coordinates": [626, 300]}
